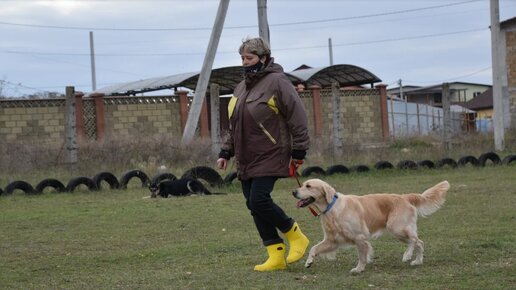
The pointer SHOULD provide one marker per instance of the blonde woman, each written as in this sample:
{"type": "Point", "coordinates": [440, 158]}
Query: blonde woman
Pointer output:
{"type": "Point", "coordinates": [268, 135]}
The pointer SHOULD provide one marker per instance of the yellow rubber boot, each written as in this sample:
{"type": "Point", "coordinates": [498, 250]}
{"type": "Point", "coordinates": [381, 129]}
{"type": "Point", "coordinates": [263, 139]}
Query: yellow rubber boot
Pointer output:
{"type": "Point", "coordinates": [276, 260]}
{"type": "Point", "coordinates": [298, 243]}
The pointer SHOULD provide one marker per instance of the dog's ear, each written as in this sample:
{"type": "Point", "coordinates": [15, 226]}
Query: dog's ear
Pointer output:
{"type": "Point", "coordinates": [329, 191]}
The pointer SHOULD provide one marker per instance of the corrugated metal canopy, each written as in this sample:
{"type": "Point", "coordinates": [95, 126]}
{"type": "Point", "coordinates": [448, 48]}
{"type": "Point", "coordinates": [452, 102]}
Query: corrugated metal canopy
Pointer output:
{"type": "Point", "coordinates": [344, 74]}
{"type": "Point", "coordinates": [146, 85]}
{"type": "Point", "coordinates": [228, 77]}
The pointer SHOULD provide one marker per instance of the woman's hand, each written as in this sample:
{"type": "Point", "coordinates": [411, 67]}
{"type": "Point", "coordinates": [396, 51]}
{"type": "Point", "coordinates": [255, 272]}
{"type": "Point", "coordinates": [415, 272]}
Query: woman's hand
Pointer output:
{"type": "Point", "coordinates": [222, 163]}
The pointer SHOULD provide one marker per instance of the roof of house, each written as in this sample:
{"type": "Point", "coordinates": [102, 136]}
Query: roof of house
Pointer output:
{"type": "Point", "coordinates": [482, 101]}
{"type": "Point", "coordinates": [433, 89]}
{"type": "Point", "coordinates": [228, 78]}
{"type": "Point", "coordinates": [507, 23]}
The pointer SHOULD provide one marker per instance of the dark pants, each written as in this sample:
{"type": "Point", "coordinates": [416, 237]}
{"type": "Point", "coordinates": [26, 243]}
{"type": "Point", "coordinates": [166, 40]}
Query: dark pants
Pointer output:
{"type": "Point", "coordinates": [268, 216]}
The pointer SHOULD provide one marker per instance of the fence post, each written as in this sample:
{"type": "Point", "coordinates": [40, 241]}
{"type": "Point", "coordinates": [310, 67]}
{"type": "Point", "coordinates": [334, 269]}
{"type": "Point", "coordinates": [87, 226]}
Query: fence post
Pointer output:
{"type": "Point", "coordinates": [183, 107]}
{"type": "Point", "coordinates": [393, 121]}
{"type": "Point", "coordinates": [337, 126]}
{"type": "Point", "coordinates": [70, 134]}
{"type": "Point", "coordinates": [215, 117]}
{"type": "Point", "coordinates": [418, 123]}
{"type": "Point", "coordinates": [204, 124]}
{"type": "Point", "coordinates": [383, 111]}
{"type": "Point", "coordinates": [446, 116]}
{"type": "Point", "coordinates": [317, 110]}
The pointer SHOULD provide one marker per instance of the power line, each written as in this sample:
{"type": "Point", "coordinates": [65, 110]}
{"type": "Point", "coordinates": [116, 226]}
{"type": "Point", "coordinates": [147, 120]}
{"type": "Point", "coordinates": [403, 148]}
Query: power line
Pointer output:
{"type": "Point", "coordinates": [453, 78]}
{"type": "Point", "coordinates": [236, 27]}
{"type": "Point", "coordinates": [23, 86]}
{"type": "Point", "coordinates": [232, 52]}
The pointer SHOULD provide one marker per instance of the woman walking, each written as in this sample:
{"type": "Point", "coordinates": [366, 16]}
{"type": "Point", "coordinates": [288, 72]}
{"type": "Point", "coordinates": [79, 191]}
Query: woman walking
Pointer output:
{"type": "Point", "coordinates": [268, 135]}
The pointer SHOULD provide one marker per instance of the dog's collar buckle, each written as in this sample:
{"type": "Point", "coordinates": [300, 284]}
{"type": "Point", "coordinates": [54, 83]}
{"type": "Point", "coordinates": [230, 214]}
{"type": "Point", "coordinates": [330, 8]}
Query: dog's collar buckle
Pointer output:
{"type": "Point", "coordinates": [331, 204]}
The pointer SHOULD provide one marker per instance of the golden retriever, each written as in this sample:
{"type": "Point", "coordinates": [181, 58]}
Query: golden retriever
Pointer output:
{"type": "Point", "coordinates": [353, 220]}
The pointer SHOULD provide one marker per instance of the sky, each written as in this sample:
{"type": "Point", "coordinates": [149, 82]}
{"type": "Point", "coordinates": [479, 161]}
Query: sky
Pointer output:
{"type": "Point", "coordinates": [45, 45]}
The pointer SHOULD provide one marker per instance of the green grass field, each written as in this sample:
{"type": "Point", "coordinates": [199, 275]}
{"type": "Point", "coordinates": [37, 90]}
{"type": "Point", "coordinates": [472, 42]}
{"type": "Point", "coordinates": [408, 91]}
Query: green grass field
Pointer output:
{"type": "Point", "coordinates": [115, 239]}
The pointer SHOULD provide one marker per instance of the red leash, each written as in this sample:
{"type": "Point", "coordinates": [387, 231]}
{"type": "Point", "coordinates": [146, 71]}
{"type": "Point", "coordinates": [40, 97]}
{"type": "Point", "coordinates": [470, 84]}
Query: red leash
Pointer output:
{"type": "Point", "coordinates": [293, 171]}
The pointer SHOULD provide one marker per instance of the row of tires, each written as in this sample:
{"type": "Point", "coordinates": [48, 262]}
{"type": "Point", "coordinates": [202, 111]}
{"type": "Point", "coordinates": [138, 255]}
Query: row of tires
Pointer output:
{"type": "Point", "coordinates": [481, 161]}
{"type": "Point", "coordinates": [95, 183]}
{"type": "Point", "coordinates": [213, 178]}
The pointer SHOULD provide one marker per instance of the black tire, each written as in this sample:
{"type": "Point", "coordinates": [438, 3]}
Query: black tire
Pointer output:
{"type": "Point", "coordinates": [81, 180]}
{"type": "Point", "coordinates": [144, 178]}
{"type": "Point", "coordinates": [206, 173]}
{"type": "Point", "coordinates": [313, 170]}
{"type": "Point", "coordinates": [407, 164]}
{"type": "Point", "coordinates": [359, 168]}
{"type": "Point", "coordinates": [108, 177]}
{"type": "Point", "coordinates": [446, 162]}
{"type": "Point", "coordinates": [230, 177]}
{"type": "Point", "coordinates": [383, 165]}
{"type": "Point", "coordinates": [21, 185]}
{"type": "Point", "coordinates": [426, 163]}
{"type": "Point", "coordinates": [465, 160]}
{"type": "Point", "coordinates": [489, 156]}
{"type": "Point", "coordinates": [337, 169]}
{"type": "Point", "coordinates": [57, 185]}
{"type": "Point", "coordinates": [162, 176]}
{"type": "Point", "coordinates": [509, 159]}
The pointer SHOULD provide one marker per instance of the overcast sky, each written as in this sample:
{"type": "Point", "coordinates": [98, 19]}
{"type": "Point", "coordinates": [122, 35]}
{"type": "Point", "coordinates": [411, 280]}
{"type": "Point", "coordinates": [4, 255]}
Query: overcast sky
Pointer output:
{"type": "Point", "coordinates": [45, 44]}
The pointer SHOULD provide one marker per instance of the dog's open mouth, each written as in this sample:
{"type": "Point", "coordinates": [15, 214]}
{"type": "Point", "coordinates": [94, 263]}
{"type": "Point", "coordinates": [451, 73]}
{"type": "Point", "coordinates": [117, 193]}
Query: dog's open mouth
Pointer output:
{"type": "Point", "coordinates": [305, 202]}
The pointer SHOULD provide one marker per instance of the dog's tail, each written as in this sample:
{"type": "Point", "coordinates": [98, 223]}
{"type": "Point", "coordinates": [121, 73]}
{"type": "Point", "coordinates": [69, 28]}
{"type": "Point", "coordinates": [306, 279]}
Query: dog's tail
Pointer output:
{"type": "Point", "coordinates": [430, 200]}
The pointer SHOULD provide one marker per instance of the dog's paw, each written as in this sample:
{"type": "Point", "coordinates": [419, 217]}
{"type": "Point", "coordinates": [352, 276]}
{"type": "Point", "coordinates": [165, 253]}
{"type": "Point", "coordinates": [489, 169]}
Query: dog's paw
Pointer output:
{"type": "Point", "coordinates": [357, 270]}
{"type": "Point", "coordinates": [406, 258]}
{"type": "Point", "coordinates": [416, 262]}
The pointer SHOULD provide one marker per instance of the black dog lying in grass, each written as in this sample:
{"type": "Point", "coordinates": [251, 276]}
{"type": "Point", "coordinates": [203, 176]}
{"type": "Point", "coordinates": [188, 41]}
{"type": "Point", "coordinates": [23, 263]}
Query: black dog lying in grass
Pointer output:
{"type": "Point", "coordinates": [178, 187]}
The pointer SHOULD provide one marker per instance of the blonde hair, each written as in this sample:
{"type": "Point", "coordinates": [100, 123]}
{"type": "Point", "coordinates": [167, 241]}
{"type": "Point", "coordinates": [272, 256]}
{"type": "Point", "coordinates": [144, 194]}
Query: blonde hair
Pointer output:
{"type": "Point", "coordinates": [256, 45]}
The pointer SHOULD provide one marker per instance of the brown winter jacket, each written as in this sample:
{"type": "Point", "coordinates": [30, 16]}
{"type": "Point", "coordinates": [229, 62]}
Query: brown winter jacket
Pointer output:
{"type": "Point", "coordinates": [267, 121]}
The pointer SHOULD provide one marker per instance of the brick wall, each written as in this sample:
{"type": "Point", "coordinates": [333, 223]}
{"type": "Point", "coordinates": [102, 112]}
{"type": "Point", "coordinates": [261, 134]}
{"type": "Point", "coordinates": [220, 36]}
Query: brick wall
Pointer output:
{"type": "Point", "coordinates": [149, 116]}
{"type": "Point", "coordinates": [29, 120]}
{"type": "Point", "coordinates": [164, 116]}
{"type": "Point", "coordinates": [360, 115]}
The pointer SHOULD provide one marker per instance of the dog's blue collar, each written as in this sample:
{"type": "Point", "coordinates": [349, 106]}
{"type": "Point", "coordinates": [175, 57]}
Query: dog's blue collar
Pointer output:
{"type": "Point", "coordinates": [331, 204]}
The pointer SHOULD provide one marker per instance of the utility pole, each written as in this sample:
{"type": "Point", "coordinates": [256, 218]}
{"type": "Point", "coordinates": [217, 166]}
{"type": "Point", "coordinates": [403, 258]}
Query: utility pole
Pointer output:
{"type": "Point", "coordinates": [204, 77]}
{"type": "Point", "coordinates": [330, 47]}
{"type": "Point", "coordinates": [498, 111]}
{"type": "Point", "coordinates": [447, 127]}
{"type": "Point", "coordinates": [406, 108]}
{"type": "Point", "coordinates": [263, 24]}
{"type": "Point", "coordinates": [92, 58]}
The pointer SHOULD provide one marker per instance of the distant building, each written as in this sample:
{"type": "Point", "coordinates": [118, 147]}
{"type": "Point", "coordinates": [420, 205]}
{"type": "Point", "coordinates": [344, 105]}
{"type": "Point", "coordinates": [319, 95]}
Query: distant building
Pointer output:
{"type": "Point", "coordinates": [482, 104]}
{"type": "Point", "coordinates": [460, 92]}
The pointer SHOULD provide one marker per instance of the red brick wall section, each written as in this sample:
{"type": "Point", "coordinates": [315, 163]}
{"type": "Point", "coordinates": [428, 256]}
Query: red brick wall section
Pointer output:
{"type": "Point", "coordinates": [383, 111]}
{"type": "Point", "coordinates": [183, 104]}
{"type": "Point", "coordinates": [100, 115]}
{"type": "Point", "coordinates": [79, 116]}
{"type": "Point", "coordinates": [317, 110]}
{"type": "Point", "coordinates": [204, 126]}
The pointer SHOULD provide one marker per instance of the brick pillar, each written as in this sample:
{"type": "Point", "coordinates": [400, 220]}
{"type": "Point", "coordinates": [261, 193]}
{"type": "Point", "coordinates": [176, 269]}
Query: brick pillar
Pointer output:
{"type": "Point", "coordinates": [99, 115]}
{"type": "Point", "coordinates": [79, 116]}
{"type": "Point", "coordinates": [317, 110]}
{"type": "Point", "coordinates": [183, 105]}
{"type": "Point", "coordinates": [383, 111]}
{"type": "Point", "coordinates": [205, 125]}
